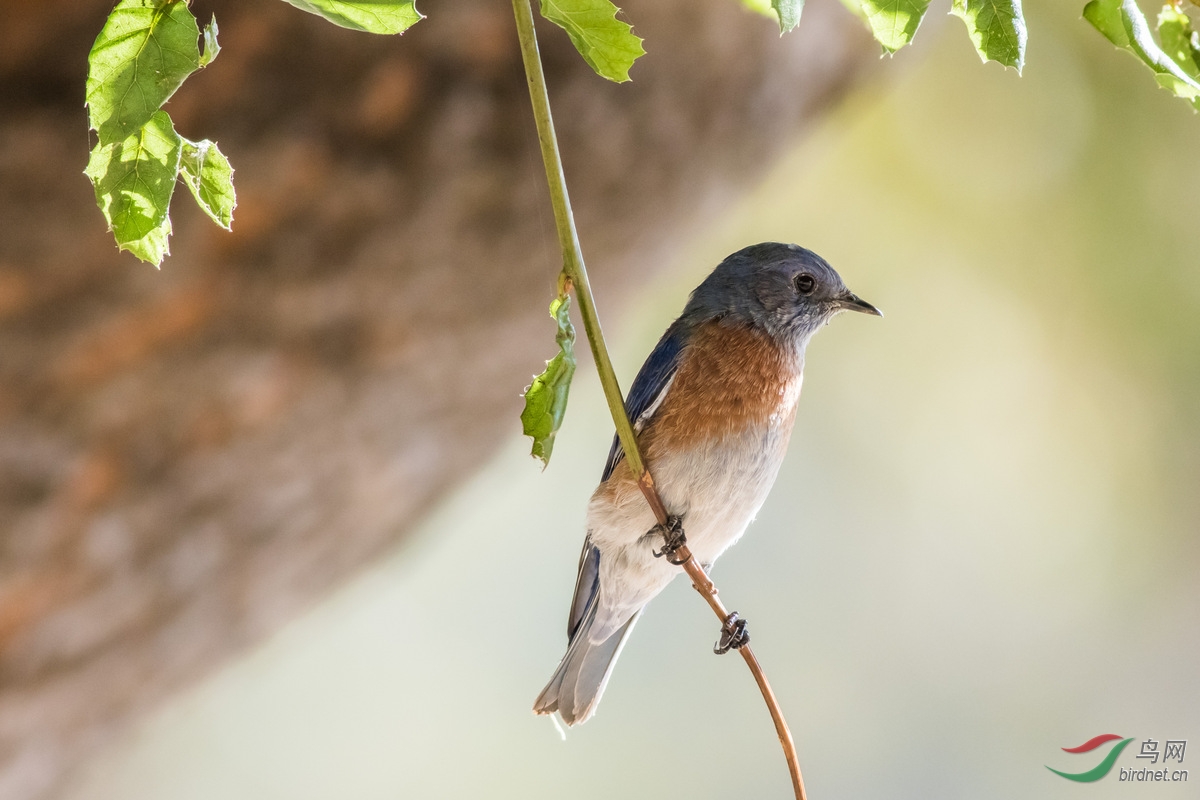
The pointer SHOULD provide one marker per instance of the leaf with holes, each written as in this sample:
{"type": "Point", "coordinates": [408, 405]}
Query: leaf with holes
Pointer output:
{"type": "Point", "coordinates": [546, 397]}
{"type": "Point", "coordinates": [1179, 41]}
{"type": "Point", "coordinates": [206, 172]}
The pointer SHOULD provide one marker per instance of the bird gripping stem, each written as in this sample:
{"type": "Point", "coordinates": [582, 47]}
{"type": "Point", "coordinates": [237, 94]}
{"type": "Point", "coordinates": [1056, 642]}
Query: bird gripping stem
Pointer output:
{"type": "Point", "coordinates": [576, 273]}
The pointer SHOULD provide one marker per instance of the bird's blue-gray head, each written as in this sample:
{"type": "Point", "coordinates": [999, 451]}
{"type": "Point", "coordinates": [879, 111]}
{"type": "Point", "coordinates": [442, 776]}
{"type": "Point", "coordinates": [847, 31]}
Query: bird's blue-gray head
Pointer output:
{"type": "Point", "coordinates": [783, 289]}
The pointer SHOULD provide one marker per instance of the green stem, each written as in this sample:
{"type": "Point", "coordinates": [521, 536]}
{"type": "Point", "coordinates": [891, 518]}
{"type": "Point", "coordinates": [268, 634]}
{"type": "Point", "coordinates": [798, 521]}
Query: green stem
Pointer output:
{"type": "Point", "coordinates": [575, 272]}
{"type": "Point", "coordinates": [568, 239]}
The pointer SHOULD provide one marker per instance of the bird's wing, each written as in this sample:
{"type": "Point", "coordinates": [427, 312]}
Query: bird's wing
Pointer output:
{"type": "Point", "coordinates": [587, 584]}
{"type": "Point", "coordinates": [649, 388]}
{"type": "Point", "coordinates": [647, 393]}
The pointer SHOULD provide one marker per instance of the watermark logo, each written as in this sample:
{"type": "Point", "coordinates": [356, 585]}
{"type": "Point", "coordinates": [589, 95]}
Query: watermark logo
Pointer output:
{"type": "Point", "coordinates": [1101, 769]}
{"type": "Point", "coordinates": [1172, 750]}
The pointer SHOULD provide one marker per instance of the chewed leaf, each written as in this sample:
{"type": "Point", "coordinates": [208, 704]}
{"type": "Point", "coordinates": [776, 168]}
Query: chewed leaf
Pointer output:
{"type": "Point", "coordinates": [211, 48]}
{"type": "Point", "coordinates": [546, 397]}
{"type": "Point", "coordinates": [142, 55]}
{"type": "Point", "coordinates": [606, 44]}
{"type": "Point", "coordinates": [996, 27]}
{"type": "Point", "coordinates": [205, 170]}
{"type": "Point", "coordinates": [894, 22]}
{"type": "Point", "coordinates": [372, 16]}
{"type": "Point", "coordinates": [134, 180]}
{"type": "Point", "coordinates": [1123, 24]}
{"type": "Point", "coordinates": [1178, 39]}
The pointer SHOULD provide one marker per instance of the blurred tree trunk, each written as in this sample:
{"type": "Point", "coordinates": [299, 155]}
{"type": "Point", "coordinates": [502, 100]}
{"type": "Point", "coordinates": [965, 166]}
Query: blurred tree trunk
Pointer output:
{"type": "Point", "coordinates": [189, 457]}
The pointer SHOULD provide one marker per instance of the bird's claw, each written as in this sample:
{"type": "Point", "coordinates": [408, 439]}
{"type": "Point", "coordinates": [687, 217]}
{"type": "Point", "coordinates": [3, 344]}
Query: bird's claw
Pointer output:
{"type": "Point", "coordinates": [734, 635]}
{"type": "Point", "coordinates": [673, 539]}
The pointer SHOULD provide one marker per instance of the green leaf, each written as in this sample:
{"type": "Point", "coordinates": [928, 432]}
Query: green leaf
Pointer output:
{"type": "Point", "coordinates": [1105, 16]}
{"type": "Point", "coordinates": [142, 55]}
{"type": "Point", "coordinates": [1122, 23]}
{"type": "Point", "coordinates": [211, 48]}
{"type": "Point", "coordinates": [134, 180]}
{"type": "Point", "coordinates": [206, 171]}
{"type": "Point", "coordinates": [546, 397]}
{"type": "Point", "coordinates": [785, 12]}
{"type": "Point", "coordinates": [372, 16]}
{"type": "Point", "coordinates": [996, 27]}
{"type": "Point", "coordinates": [606, 44]}
{"type": "Point", "coordinates": [1178, 39]}
{"type": "Point", "coordinates": [894, 22]}
{"type": "Point", "coordinates": [788, 12]}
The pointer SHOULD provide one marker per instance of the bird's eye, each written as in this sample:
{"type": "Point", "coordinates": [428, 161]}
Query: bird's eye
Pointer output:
{"type": "Point", "coordinates": [805, 283]}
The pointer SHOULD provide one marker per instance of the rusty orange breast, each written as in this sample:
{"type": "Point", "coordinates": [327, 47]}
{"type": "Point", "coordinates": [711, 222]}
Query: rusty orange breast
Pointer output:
{"type": "Point", "coordinates": [730, 382]}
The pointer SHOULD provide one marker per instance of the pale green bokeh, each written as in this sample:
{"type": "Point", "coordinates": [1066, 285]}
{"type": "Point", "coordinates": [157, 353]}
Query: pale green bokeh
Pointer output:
{"type": "Point", "coordinates": [981, 549]}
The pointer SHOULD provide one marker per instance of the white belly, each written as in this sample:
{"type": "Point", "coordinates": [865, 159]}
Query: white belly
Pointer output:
{"type": "Point", "coordinates": [717, 489]}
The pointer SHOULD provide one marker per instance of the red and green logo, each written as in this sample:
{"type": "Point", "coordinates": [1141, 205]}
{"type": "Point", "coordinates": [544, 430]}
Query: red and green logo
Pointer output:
{"type": "Point", "coordinates": [1100, 770]}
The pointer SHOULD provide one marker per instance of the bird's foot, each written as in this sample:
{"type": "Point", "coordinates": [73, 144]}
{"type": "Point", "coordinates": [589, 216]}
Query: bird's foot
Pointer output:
{"type": "Point", "coordinates": [734, 635]}
{"type": "Point", "coordinates": [673, 539]}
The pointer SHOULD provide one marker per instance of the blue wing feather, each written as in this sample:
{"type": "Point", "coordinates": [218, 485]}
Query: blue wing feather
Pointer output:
{"type": "Point", "coordinates": [650, 382]}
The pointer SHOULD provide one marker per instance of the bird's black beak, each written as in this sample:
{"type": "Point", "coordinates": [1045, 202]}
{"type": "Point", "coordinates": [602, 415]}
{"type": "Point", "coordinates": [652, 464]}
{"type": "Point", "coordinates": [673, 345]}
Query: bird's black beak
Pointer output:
{"type": "Point", "coordinates": [852, 302]}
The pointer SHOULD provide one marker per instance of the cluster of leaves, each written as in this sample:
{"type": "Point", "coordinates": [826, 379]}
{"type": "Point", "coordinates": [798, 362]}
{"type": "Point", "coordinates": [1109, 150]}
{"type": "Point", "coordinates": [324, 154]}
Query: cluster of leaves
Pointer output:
{"type": "Point", "coordinates": [141, 57]}
{"type": "Point", "coordinates": [144, 53]}
{"type": "Point", "coordinates": [148, 48]}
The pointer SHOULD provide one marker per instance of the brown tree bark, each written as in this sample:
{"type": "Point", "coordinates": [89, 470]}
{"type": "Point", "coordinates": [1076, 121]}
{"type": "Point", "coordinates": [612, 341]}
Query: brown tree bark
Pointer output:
{"type": "Point", "coordinates": [189, 457]}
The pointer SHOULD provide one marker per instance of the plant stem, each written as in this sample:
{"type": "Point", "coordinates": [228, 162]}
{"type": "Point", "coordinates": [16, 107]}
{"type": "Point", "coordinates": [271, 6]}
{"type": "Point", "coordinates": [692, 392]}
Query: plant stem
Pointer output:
{"type": "Point", "coordinates": [576, 275]}
{"type": "Point", "coordinates": [568, 239]}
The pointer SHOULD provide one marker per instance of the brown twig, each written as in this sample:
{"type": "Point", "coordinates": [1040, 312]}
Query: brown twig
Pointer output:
{"type": "Point", "coordinates": [708, 590]}
{"type": "Point", "coordinates": [576, 277]}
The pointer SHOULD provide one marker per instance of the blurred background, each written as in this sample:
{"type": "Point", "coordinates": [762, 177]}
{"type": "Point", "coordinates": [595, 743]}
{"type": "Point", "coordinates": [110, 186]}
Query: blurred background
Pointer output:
{"type": "Point", "coordinates": [981, 549]}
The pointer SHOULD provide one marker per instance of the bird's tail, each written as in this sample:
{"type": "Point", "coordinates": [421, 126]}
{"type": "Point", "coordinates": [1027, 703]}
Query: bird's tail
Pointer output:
{"type": "Point", "coordinates": [574, 691]}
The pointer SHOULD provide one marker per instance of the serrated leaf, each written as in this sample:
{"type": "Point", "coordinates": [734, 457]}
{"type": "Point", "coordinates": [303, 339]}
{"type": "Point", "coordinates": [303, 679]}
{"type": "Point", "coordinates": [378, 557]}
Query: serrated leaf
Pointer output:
{"type": "Point", "coordinates": [1178, 39]}
{"type": "Point", "coordinates": [894, 22]}
{"type": "Point", "coordinates": [142, 55]}
{"type": "Point", "coordinates": [997, 29]}
{"type": "Point", "coordinates": [211, 48]}
{"type": "Point", "coordinates": [206, 172]}
{"type": "Point", "coordinates": [134, 180]}
{"type": "Point", "coordinates": [372, 16]}
{"type": "Point", "coordinates": [154, 246]}
{"type": "Point", "coordinates": [1123, 24]}
{"type": "Point", "coordinates": [546, 397]}
{"type": "Point", "coordinates": [606, 44]}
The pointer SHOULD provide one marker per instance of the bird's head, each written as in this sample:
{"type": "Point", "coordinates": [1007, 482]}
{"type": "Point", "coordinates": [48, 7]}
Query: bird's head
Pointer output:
{"type": "Point", "coordinates": [782, 289]}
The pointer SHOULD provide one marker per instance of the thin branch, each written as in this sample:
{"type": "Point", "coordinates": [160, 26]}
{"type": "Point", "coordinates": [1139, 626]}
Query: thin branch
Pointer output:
{"type": "Point", "coordinates": [576, 274]}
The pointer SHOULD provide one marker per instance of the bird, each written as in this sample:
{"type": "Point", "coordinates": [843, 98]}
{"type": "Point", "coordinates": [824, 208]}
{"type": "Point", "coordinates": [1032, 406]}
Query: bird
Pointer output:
{"type": "Point", "coordinates": [712, 408]}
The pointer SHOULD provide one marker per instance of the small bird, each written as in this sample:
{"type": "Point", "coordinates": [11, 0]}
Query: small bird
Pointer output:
{"type": "Point", "coordinates": [713, 409]}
